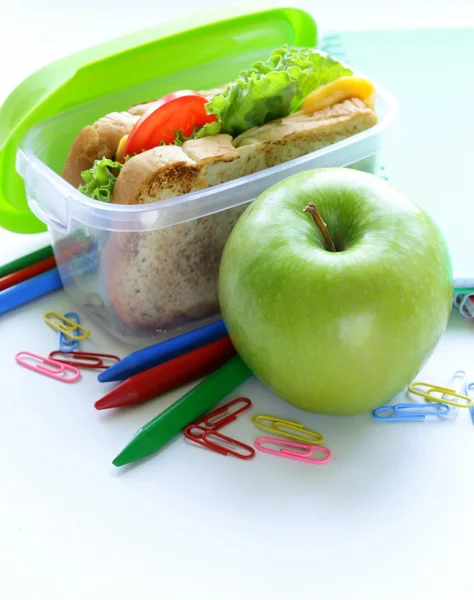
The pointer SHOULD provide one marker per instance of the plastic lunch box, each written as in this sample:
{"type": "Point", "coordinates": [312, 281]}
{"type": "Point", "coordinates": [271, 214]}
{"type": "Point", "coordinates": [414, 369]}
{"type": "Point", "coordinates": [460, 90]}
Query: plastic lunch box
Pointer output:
{"type": "Point", "coordinates": [41, 118]}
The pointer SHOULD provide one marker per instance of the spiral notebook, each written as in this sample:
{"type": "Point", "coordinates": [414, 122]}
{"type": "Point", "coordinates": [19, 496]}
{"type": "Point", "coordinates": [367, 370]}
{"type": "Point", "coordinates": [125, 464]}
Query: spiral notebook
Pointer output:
{"type": "Point", "coordinates": [431, 154]}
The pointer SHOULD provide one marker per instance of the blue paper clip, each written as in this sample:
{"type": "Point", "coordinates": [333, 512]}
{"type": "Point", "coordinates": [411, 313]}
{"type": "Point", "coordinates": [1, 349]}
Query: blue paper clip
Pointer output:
{"type": "Point", "coordinates": [78, 266]}
{"type": "Point", "coordinates": [410, 412]}
{"type": "Point", "coordinates": [65, 344]}
{"type": "Point", "coordinates": [471, 408]}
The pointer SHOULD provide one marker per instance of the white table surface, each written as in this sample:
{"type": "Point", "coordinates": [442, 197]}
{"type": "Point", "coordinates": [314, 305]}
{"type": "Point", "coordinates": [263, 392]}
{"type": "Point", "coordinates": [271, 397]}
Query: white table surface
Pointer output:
{"type": "Point", "coordinates": [389, 517]}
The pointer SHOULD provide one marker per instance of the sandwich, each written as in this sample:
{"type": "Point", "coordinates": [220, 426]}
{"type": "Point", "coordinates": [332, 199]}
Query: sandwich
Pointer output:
{"type": "Point", "coordinates": [298, 101]}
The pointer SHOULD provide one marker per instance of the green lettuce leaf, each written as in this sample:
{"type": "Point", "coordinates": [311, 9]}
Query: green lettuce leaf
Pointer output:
{"type": "Point", "coordinates": [271, 89]}
{"type": "Point", "coordinates": [180, 138]}
{"type": "Point", "coordinates": [99, 180]}
{"type": "Point", "coordinates": [250, 101]}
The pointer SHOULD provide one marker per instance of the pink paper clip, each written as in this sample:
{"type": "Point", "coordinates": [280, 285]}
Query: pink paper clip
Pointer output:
{"type": "Point", "coordinates": [37, 363]}
{"type": "Point", "coordinates": [284, 453]}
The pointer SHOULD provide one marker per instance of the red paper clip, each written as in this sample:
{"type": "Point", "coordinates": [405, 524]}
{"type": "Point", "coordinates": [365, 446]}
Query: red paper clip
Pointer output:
{"type": "Point", "coordinates": [211, 432]}
{"type": "Point", "coordinates": [92, 359]}
{"type": "Point", "coordinates": [222, 410]}
{"type": "Point", "coordinates": [203, 440]}
{"type": "Point", "coordinates": [198, 437]}
{"type": "Point", "coordinates": [201, 430]}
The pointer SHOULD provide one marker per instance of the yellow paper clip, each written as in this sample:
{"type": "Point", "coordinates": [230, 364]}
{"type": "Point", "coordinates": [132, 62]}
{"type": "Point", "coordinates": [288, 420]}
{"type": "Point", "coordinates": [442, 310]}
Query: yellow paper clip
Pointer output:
{"type": "Point", "coordinates": [311, 437]}
{"type": "Point", "coordinates": [94, 300]}
{"type": "Point", "coordinates": [66, 326]}
{"type": "Point", "coordinates": [428, 394]}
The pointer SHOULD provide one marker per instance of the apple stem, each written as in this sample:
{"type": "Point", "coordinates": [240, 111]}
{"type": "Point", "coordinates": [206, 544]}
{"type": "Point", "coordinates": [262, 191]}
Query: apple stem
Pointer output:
{"type": "Point", "coordinates": [321, 225]}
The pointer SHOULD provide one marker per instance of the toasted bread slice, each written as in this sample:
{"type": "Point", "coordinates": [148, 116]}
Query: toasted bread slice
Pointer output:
{"type": "Point", "coordinates": [159, 279]}
{"type": "Point", "coordinates": [162, 278]}
{"type": "Point", "coordinates": [169, 171]}
{"type": "Point", "coordinates": [103, 137]}
{"type": "Point", "coordinates": [96, 141]}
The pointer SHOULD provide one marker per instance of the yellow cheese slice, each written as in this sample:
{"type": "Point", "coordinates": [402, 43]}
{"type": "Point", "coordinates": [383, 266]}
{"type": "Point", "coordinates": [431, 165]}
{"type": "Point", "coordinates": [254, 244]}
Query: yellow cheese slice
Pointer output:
{"type": "Point", "coordinates": [121, 148]}
{"type": "Point", "coordinates": [337, 91]}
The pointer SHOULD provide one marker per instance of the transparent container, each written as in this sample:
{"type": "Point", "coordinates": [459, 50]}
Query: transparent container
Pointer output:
{"type": "Point", "coordinates": [148, 272]}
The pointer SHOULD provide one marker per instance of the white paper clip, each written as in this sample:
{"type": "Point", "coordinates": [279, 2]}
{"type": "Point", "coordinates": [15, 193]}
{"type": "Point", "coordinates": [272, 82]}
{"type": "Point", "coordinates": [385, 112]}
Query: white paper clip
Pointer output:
{"type": "Point", "coordinates": [470, 393]}
{"type": "Point", "coordinates": [458, 383]}
{"type": "Point", "coordinates": [465, 305]}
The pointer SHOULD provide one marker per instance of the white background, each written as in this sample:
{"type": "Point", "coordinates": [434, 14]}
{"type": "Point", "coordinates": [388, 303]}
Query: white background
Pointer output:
{"type": "Point", "coordinates": [389, 517]}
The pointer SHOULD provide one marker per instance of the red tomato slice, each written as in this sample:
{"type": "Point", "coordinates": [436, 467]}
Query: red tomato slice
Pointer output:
{"type": "Point", "coordinates": [180, 111]}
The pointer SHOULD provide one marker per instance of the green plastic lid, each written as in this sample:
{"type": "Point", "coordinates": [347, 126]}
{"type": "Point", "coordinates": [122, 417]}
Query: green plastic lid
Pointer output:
{"type": "Point", "coordinates": [128, 61]}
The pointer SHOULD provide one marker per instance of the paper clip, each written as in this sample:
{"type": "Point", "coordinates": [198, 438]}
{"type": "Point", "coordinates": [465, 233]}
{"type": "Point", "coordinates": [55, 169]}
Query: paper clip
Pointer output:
{"type": "Point", "coordinates": [444, 391]}
{"type": "Point", "coordinates": [80, 265]}
{"type": "Point", "coordinates": [91, 360]}
{"type": "Point", "coordinates": [82, 245]}
{"type": "Point", "coordinates": [294, 455]}
{"type": "Point", "coordinates": [206, 422]}
{"type": "Point", "coordinates": [195, 434]}
{"type": "Point", "coordinates": [58, 372]}
{"type": "Point", "coordinates": [313, 437]}
{"type": "Point", "coordinates": [200, 431]}
{"type": "Point", "coordinates": [465, 305]}
{"type": "Point", "coordinates": [67, 326]}
{"type": "Point", "coordinates": [409, 412]}
{"type": "Point", "coordinates": [94, 300]}
{"type": "Point", "coordinates": [64, 344]}
{"type": "Point", "coordinates": [222, 410]}
{"type": "Point", "coordinates": [96, 305]}
{"type": "Point", "coordinates": [460, 388]}
{"type": "Point", "coordinates": [203, 440]}
{"type": "Point", "coordinates": [471, 408]}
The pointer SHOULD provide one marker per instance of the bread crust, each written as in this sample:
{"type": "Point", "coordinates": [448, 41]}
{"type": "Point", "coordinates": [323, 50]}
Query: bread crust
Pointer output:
{"type": "Point", "coordinates": [96, 141]}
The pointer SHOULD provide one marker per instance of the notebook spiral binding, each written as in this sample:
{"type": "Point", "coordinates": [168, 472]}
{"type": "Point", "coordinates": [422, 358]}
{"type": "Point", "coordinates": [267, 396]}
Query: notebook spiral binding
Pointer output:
{"type": "Point", "coordinates": [465, 304]}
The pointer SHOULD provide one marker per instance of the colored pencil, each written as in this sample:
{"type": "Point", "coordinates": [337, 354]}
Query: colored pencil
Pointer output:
{"type": "Point", "coordinates": [39, 261]}
{"type": "Point", "coordinates": [169, 375]}
{"type": "Point", "coordinates": [146, 358]}
{"type": "Point", "coordinates": [197, 402]}
{"type": "Point", "coordinates": [75, 251]}
{"type": "Point", "coordinates": [26, 261]}
{"type": "Point", "coordinates": [27, 273]}
{"type": "Point", "coordinates": [29, 290]}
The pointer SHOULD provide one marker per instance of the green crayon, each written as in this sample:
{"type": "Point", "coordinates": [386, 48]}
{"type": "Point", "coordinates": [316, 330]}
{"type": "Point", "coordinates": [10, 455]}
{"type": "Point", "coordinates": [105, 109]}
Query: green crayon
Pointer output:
{"type": "Point", "coordinates": [197, 402]}
{"type": "Point", "coordinates": [26, 261]}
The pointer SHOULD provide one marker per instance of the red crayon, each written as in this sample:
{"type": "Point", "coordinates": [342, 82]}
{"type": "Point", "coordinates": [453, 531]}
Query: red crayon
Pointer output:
{"type": "Point", "coordinates": [27, 273]}
{"type": "Point", "coordinates": [37, 268]}
{"type": "Point", "coordinates": [169, 375]}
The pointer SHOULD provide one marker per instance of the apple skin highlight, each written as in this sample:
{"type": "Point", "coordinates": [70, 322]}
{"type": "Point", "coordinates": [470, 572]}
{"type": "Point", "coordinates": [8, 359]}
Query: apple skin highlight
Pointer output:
{"type": "Point", "coordinates": [337, 333]}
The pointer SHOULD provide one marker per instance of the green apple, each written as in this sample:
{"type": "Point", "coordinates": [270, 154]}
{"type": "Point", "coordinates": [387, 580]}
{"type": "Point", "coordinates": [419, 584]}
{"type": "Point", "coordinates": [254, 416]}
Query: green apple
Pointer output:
{"type": "Point", "coordinates": [335, 332]}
